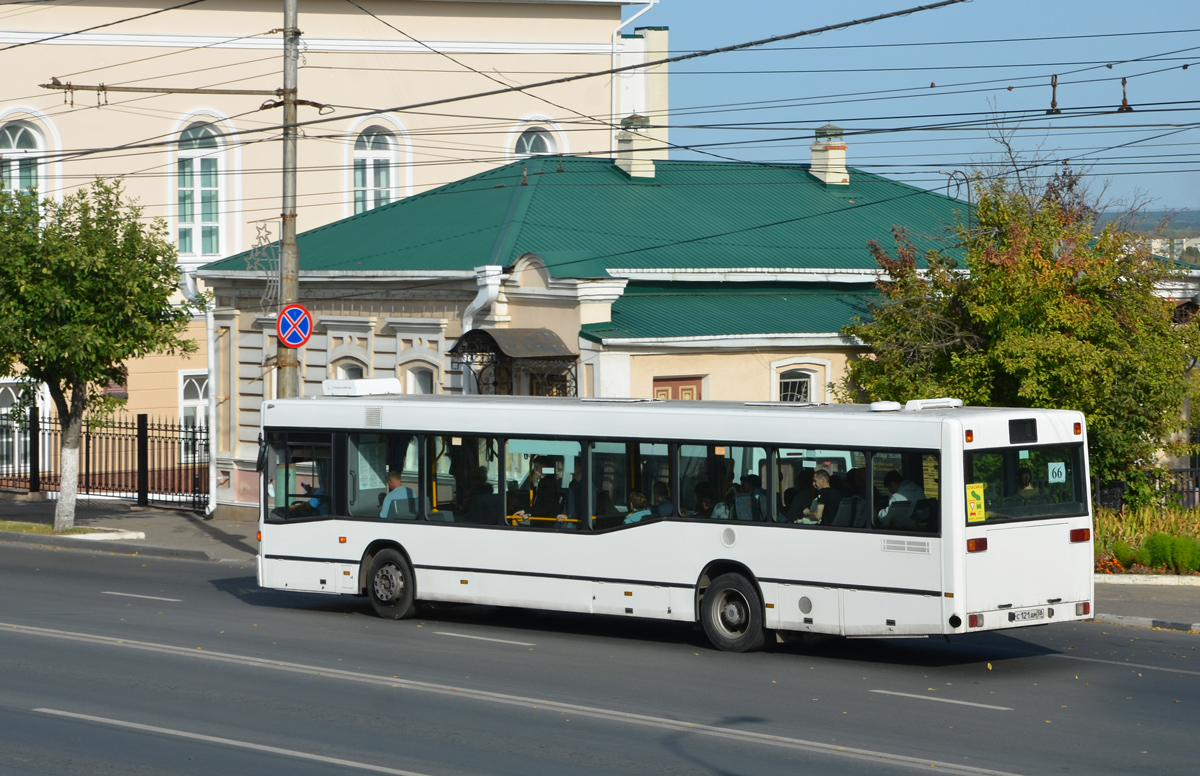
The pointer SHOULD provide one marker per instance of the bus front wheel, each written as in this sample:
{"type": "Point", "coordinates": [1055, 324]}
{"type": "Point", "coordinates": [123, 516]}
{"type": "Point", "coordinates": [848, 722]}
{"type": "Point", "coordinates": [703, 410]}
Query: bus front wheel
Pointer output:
{"type": "Point", "coordinates": [732, 614]}
{"type": "Point", "coordinates": [391, 587]}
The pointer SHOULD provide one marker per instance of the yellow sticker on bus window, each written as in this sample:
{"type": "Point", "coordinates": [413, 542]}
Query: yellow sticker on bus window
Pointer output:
{"type": "Point", "coordinates": [975, 511]}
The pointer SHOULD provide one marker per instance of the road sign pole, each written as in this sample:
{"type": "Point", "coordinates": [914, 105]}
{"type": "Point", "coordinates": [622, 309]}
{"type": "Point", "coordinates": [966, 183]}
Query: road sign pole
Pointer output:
{"type": "Point", "coordinates": [289, 254]}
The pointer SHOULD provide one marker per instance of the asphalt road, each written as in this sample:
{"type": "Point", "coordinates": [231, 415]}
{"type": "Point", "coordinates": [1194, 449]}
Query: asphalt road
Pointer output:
{"type": "Point", "coordinates": [119, 665]}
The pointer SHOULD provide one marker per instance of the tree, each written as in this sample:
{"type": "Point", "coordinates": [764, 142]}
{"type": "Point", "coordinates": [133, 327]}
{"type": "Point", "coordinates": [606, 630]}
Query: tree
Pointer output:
{"type": "Point", "coordinates": [1049, 310]}
{"type": "Point", "coordinates": [85, 285]}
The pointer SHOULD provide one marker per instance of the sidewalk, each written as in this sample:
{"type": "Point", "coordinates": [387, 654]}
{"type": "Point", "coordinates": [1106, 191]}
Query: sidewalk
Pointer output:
{"type": "Point", "coordinates": [168, 532]}
{"type": "Point", "coordinates": [1138, 601]}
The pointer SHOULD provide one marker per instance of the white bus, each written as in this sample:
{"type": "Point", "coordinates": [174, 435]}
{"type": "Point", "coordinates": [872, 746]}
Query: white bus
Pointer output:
{"type": "Point", "coordinates": [936, 518]}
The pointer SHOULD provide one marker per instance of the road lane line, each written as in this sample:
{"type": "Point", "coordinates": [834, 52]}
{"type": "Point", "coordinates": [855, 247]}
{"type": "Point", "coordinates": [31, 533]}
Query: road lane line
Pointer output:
{"type": "Point", "coordinates": [485, 638]}
{"type": "Point", "coordinates": [230, 742]}
{"type": "Point", "coordinates": [942, 700]}
{"type": "Point", "coordinates": [149, 597]}
{"type": "Point", "coordinates": [1123, 664]}
{"type": "Point", "coordinates": [612, 715]}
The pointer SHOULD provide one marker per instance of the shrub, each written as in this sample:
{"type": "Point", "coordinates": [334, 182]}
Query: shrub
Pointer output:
{"type": "Point", "coordinates": [1124, 553]}
{"type": "Point", "coordinates": [1155, 551]}
{"type": "Point", "coordinates": [1185, 555]}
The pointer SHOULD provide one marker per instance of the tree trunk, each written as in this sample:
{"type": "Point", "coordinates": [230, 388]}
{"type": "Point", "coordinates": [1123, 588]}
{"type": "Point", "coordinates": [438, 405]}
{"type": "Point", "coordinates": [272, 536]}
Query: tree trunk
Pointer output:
{"type": "Point", "coordinates": [72, 427]}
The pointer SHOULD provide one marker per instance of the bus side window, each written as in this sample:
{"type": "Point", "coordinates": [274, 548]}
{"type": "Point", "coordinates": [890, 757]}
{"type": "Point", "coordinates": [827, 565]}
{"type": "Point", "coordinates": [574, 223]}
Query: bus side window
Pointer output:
{"type": "Point", "coordinates": [907, 491]}
{"type": "Point", "coordinates": [822, 487]}
{"type": "Point", "coordinates": [302, 482]}
{"type": "Point", "coordinates": [724, 482]}
{"type": "Point", "coordinates": [544, 484]}
{"type": "Point", "coordinates": [463, 480]}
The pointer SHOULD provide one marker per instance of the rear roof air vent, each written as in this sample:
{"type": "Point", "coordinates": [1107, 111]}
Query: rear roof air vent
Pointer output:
{"type": "Point", "coordinates": [885, 406]}
{"type": "Point", "coordinates": [943, 403]}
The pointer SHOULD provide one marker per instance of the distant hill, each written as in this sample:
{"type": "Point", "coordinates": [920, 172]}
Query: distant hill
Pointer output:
{"type": "Point", "coordinates": [1185, 223]}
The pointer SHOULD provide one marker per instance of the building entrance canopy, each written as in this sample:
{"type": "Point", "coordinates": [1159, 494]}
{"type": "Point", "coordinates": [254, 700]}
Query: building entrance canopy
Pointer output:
{"type": "Point", "coordinates": [509, 362]}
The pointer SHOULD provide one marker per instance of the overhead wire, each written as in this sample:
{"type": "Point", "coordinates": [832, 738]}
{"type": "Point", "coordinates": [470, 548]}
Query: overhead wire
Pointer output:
{"type": "Point", "coordinates": [59, 35]}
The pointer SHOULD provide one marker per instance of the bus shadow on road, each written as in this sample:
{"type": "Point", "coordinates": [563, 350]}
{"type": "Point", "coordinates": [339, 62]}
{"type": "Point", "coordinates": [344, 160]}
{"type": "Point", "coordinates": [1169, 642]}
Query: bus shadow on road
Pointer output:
{"type": "Point", "coordinates": [931, 652]}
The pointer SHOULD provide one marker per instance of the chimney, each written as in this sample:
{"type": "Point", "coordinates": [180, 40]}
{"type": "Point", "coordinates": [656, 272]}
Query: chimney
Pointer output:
{"type": "Point", "coordinates": [829, 157]}
{"type": "Point", "coordinates": [632, 147]}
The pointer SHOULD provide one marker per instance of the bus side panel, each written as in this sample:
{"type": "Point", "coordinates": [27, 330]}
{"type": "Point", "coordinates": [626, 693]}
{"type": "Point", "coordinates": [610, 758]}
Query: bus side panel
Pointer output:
{"type": "Point", "coordinates": [305, 576]}
{"type": "Point", "coordinates": [625, 598]}
{"type": "Point", "coordinates": [480, 587]}
{"type": "Point", "coordinates": [875, 613]}
{"type": "Point", "coordinates": [806, 608]}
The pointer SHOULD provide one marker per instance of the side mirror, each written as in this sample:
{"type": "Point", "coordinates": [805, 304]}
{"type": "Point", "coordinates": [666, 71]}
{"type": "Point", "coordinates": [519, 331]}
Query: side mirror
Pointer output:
{"type": "Point", "coordinates": [262, 455]}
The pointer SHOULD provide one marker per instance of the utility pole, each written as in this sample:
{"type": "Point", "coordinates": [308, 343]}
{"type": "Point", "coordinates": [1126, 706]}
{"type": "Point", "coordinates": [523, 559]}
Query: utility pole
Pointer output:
{"type": "Point", "coordinates": [289, 254]}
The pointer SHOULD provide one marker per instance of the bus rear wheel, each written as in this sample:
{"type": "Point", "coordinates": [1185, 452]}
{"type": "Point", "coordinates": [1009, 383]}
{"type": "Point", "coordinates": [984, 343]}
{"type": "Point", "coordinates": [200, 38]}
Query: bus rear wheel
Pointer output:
{"type": "Point", "coordinates": [732, 614]}
{"type": "Point", "coordinates": [391, 587]}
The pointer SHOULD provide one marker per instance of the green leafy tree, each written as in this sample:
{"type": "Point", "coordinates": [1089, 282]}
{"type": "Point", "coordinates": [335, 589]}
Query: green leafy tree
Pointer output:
{"type": "Point", "coordinates": [1048, 310]}
{"type": "Point", "coordinates": [85, 285]}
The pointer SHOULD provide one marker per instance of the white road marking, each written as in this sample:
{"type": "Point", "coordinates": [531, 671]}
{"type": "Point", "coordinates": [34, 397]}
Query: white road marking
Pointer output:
{"type": "Point", "coordinates": [1123, 664]}
{"type": "Point", "coordinates": [612, 715]}
{"type": "Point", "coordinates": [230, 742]}
{"type": "Point", "coordinates": [149, 597]}
{"type": "Point", "coordinates": [942, 700]}
{"type": "Point", "coordinates": [485, 638]}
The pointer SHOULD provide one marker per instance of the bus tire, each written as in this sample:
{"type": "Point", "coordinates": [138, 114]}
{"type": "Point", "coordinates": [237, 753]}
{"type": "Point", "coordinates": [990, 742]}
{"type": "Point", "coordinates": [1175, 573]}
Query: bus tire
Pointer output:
{"type": "Point", "coordinates": [391, 586]}
{"type": "Point", "coordinates": [732, 614]}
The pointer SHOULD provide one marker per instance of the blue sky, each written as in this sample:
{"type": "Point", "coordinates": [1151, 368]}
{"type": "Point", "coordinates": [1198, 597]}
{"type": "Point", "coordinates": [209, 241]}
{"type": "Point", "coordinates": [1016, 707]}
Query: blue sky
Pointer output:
{"type": "Point", "coordinates": [889, 93]}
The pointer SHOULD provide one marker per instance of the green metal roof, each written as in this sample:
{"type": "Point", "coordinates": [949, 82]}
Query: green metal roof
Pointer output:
{"type": "Point", "coordinates": [585, 216]}
{"type": "Point", "coordinates": [652, 310]}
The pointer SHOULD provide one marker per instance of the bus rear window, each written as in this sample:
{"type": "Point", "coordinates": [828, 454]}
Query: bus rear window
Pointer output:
{"type": "Point", "coordinates": [1025, 483]}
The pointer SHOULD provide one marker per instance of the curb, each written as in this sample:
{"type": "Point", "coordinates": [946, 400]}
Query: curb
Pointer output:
{"type": "Point", "coordinates": [1146, 579]}
{"type": "Point", "coordinates": [121, 548]}
{"type": "Point", "coordinates": [1146, 622]}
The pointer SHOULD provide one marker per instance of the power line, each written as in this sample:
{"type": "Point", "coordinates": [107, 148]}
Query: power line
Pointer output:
{"type": "Point", "coordinates": [101, 26]}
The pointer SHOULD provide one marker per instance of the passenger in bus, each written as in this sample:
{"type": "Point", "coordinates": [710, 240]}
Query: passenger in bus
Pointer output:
{"type": "Point", "coordinates": [1025, 487]}
{"type": "Point", "coordinates": [748, 505]}
{"type": "Point", "coordinates": [576, 496]}
{"type": "Point", "coordinates": [663, 506]}
{"type": "Point", "coordinates": [901, 490]}
{"type": "Point", "coordinates": [638, 508]}
{"type": "Point", "coordinates": [854, 483]}
{"type": "Point", "coordinates": [547, 498]}
{"type": "Point", "coordinates": [400, 499]}
{"type": "Point", "coordinates": [825, 506]}
{"type": "Point", "coordinates": [704, 500]}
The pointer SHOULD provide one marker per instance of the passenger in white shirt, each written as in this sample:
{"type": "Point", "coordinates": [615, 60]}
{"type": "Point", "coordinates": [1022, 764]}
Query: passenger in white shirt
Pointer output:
{"type": "Point", "coordinates": [902, 490]}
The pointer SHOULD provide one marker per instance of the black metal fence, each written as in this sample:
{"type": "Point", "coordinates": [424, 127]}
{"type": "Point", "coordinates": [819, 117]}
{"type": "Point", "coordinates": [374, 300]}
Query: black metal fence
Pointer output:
{"type": "Point", "coordinates": [1181, 487]}
{"type": "Point", "coordinates": [164, 462]}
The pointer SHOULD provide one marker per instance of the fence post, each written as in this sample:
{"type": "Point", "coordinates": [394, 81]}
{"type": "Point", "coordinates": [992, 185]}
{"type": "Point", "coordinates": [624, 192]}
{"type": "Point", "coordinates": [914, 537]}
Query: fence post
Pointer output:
{"type": "Point", "coordinates": [143, 460]}
{"type": "Point", "coordinates": [35, 450]}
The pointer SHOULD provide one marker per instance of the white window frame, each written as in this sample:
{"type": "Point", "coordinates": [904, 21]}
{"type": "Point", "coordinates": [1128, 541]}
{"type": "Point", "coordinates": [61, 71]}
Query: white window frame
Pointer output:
{"type": "Point", "coordinates": [818, 369]}
{"type": "Point", "coordinates": [340, 367]}
{"type": "Point", "coordinates": [371, 160]}
{"type": "Point", "coordinates": [187, 447]}
{"type": "Point", "coordinates": [542, 124]}
{"type": "Point", "coordinates": [14, 156]}
{"type": "Point", "coordinates": [403, 156]}
{"type": "Point", "coordinates": [196, 223]}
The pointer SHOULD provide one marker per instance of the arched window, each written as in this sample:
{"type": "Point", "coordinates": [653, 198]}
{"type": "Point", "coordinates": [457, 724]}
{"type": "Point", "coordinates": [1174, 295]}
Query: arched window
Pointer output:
{"type": "Point", "coordinates": [20, 146]}
{"type": "Point", "coordinates": [420, 381]}
{"type": "Point", "coordinates": [535, 141]}
{"type": "Point", "coordinates": [795, 385]}
{"type": "Point", "coordinates": [350, 370]}
{"type": "Point", "coordinates": [194, 410]}
{"type": "Point", "coordinates": [199, 191]}
{"type": "Point", "coordinates": [8, 397]}
{"type": "Point", "coordinates": [374, 159]}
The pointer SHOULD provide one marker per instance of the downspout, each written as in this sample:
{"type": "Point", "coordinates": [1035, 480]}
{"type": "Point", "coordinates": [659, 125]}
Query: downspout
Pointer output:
{"type": "Point", "coordinates": [192, 293]}
{"type": "Point", "coordinates": [488, 277]}
{"type": "Point", "coordinates": [612, 142]}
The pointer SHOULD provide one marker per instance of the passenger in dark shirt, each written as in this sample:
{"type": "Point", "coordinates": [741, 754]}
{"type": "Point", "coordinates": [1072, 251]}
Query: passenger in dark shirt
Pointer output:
{"type": "Point", "coordinates": [825, 506]}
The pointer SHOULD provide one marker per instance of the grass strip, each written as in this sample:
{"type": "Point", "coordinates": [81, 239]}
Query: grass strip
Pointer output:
{"type": "Point", "coordinates": [45, 529]}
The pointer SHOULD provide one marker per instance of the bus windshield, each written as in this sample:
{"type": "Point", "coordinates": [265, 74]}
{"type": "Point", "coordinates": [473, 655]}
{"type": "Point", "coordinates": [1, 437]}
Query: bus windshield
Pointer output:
{"type": "Point", "coordinates": [1025, 483]}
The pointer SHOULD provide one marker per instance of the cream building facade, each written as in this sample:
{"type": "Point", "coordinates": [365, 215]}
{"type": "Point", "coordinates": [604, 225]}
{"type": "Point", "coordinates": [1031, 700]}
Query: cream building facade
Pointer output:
{"type": "Point", "coordinates": [209, 164]}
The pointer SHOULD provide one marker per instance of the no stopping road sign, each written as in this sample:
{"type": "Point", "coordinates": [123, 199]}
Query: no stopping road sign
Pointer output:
{"type": "Point", "coordinates": [294, 326]}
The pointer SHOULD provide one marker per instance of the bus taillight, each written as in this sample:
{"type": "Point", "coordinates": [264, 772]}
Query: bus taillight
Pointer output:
{"type": "Point", "coordinates": [975, 620]}
{"type": "Point", "coordinates": [976, 545]}
{"type": "Point", "coordinates": [970, 435]}
{"type": "Point", "coordinates": [1081, 534]}
{"type": "Point", "coordinates": [1078, 429]}
{"type": "Point", "coordinates": [1083, 609]}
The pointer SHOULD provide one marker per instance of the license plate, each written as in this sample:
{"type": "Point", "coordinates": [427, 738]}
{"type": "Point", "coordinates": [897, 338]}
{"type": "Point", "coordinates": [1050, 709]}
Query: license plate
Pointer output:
{"type": "Point", "coordinates": [1027, 615]}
